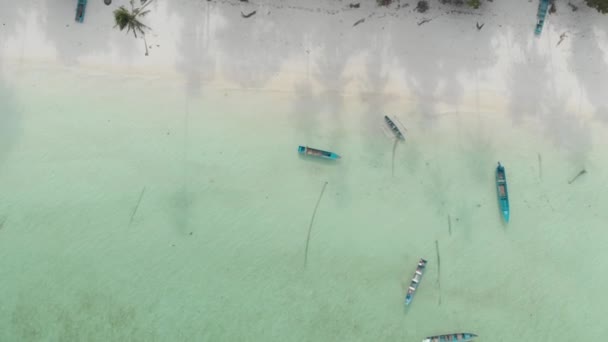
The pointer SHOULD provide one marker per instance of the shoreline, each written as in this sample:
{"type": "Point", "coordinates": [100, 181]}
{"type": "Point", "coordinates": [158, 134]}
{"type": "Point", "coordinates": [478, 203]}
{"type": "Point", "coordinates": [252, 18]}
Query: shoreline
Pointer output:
{"type": "Point", "coordinates": [366, 59]}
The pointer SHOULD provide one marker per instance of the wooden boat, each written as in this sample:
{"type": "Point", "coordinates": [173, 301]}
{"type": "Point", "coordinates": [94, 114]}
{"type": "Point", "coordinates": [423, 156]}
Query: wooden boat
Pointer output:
{"type": "Point", "coordinates": [415, 281]}
{"type": "Point", "coordinates": [460, 337]}
{"type": "Point", "coordinates": [309, 151]}
{"type": "Point", "coordinates": [80, 7]}
{"type": "Point", "coordinates": [503, 194]}
{"type": "Point", "coordinates": [394, 128]}
{"type": "Point", "coordinates": [543, 7]}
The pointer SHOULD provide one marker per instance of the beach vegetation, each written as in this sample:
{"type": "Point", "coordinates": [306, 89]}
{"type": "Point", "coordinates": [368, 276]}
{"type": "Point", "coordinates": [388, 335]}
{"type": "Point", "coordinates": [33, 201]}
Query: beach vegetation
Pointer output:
{"type": "Point", "coordinates": [384, 2]}
{"type": "Point", "coordinates": [600, 5]}
{"type": "Point", "coordinates": [422, 6]}
{"type": "Point", "coordinates": [471, 3]}
{"type": "Point", "coordinates": [130, 19]}
{"type": "Point", "coordinates": [474, 3]}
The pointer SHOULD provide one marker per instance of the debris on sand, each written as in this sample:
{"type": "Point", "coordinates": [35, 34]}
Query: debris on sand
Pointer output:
{"type": "Point", "coordinates": [424, 21]}
{"type": "Point", "coordinates": [561, 38]}
{"type": "Point", "coordinates": [552, 8]}
{"type": "Point", "coordinates": [360, 21]}
{"type": "Point", "coordinates": [574, 8]}
{"type": "Point", "coordinates": [479, 27]}
{"type": "Point", "coordinates": [247, 15]}
{"type": "Point", "coordinates": [357, 5]}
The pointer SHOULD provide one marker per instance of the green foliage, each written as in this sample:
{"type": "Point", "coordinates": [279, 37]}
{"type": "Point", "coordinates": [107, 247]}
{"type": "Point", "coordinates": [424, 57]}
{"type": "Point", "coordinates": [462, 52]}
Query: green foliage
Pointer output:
{"type": "Point", "coordinates": [130, 19]}
{"type": "Point", "coordinates": [600, 5]}
{"type": "Point", "coordinates": [474, 3]}
{"type": "Point", "coordinates": [422, 6]}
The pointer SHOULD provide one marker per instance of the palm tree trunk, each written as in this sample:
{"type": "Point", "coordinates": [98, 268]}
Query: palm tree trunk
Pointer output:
{"type": "Point", "coordinates": [145, 43]}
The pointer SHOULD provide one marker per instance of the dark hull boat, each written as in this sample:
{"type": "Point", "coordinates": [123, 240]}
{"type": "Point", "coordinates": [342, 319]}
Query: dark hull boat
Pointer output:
{"type": "Point", "coordinates": [460, 337]}
{"type": "Point", "coordinates": [394, 128]}
{"type": "Point", "coordinates": [415, 281]}
{"type": "Point", "coordinates": [502, 192]}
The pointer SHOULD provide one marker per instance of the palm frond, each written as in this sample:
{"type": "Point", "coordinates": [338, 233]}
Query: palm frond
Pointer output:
{"type": "Point", "coordinates": [130, 20]}
{"type": "Point", "coordinates": [122, 17]}
{"type": "Point", "coordinates": [143, 14]}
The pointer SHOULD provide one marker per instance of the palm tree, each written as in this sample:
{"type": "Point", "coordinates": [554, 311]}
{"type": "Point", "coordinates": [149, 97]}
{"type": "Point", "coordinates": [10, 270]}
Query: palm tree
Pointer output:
{"type": "Point", "coordinates": [130, 19]}
{"type": "Point", "coordinates": [600, 5]}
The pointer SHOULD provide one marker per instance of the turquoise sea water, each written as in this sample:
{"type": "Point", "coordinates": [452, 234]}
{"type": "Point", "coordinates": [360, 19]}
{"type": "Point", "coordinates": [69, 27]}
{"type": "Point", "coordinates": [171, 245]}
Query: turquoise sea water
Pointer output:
{"type": "Point", "coordinates": [215, 249]}
{"type": "Point", "coordinates": [165, 205]}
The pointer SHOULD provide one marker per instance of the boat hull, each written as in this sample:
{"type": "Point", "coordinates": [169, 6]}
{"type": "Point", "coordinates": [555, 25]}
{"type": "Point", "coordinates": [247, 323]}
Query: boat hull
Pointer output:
{"type": "Point", "coordinates": [313, 152]}
{"type": "Point", "coordinates": [80, 9]}
{"type": "Point", "coordinates": [459, 337]}
{"type": "Point", "coordinates": [543, 7]}
{"type": "Point", "coordinates": [415, 281]}
{"type": "Point", "coordinates": [502, 192]}
{"type": "Point", "coordinates": [394, 128]}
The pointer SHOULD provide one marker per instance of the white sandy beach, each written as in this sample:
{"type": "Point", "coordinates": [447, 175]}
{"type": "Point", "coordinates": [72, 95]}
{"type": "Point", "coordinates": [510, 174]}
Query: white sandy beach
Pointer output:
{"type": "Point", "coordinates": [161, 198]}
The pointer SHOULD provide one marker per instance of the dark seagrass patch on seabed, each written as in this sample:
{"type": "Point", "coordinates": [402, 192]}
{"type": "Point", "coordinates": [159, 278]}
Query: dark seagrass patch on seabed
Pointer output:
{"type": "Point", "coordinates": [81, 318]}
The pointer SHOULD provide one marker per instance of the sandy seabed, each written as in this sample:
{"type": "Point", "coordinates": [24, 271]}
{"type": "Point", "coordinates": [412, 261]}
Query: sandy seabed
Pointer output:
{"type": "Point", "coordinates": [161, 198]}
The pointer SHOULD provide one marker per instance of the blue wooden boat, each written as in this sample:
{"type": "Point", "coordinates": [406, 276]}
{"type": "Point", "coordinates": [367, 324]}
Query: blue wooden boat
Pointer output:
{"type": "Point", "coordinates": [503, 193]}
{"type": "Point", "coordinates": [415, 281]}
{"type": "Point", "coordinates": [80, 8]}
{"type": "Point", "coordinates": [543, 7]}
{"type": "Point", "coordinates": [394, 128]}
{"type": "Point", "coordinates": [460, 337]}
{"type": "Point", "coordinates": [309, 151]}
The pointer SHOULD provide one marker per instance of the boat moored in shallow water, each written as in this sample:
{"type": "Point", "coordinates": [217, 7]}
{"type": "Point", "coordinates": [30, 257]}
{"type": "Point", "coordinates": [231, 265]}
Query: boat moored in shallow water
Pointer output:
{"type": "Point", "coordinates": [309, 151]}
{"type": "Point", "coordinates": [394, 128]}
{"type": "Point", "coordinates": [459, 337]}
{"type": "Point", "coordinates": [415, 281]}
{"type": "Point", "coordinates": [503, 194]}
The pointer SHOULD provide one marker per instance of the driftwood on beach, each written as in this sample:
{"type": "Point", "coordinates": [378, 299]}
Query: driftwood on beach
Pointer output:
{"type": "Point", "coordinates": [360, 21]}
{"type": "Point", "coordinates": [247, 15]}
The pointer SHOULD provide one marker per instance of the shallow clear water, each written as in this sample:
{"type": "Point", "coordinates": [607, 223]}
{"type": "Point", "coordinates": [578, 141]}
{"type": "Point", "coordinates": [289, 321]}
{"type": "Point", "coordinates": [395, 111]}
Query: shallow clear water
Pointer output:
{"type": "Point", "coordinates": [143, 202]}
{"type": "Point", "coordinates": [214, 249]}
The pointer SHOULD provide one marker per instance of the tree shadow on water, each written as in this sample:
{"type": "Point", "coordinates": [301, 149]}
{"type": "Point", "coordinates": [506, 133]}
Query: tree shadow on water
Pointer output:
{"type": "Point", "coordinates": [10, 121]}
{"type": "Point", "coordinates": [376, 99]}
{"type": "Point", "coordinates": [254, 49]}
{"type": "Point", "coordinates": [587, 52]}
{"type": "Point", "coordinates": [538, 98]}
{"type": "Point", "coordinates": [10, 113]}
{"type": "Point", "coordinates": [194, 43]}
{"type": "Point", "coordinates": [433, 68]}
